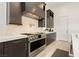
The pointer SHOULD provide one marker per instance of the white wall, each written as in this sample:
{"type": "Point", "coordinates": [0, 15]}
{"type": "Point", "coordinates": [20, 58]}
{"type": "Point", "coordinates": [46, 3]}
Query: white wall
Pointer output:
{"type": "Point", "coordinates": [2, 14]}
{"type": "Point", "coordinates": [66, 19]}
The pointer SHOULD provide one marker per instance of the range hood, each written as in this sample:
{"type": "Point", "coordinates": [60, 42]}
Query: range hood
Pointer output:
{"type": "Point", "coordinates": [31, 15]}
{"type": "Point", "coordinates": [34, 10]}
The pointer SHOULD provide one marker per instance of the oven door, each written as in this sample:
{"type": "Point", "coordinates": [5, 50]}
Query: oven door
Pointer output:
{"type": "Point", "coordinates": [37, 46]}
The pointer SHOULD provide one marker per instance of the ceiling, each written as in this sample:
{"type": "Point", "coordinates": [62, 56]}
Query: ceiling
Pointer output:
{"type": "Point", "coordinates": [55, 4]}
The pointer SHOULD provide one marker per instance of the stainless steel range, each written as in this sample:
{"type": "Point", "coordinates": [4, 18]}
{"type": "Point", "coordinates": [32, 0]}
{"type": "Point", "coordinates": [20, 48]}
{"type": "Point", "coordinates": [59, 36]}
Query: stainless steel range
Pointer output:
{"type": "Point", "coordinates": [36, 43]}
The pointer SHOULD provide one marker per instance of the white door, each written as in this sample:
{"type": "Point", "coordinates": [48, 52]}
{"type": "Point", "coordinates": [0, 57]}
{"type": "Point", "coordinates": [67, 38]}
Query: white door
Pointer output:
{"type": "Point", "coordinates": [62, 30]}
{"type": "Point", "coordinates": [75, 46]}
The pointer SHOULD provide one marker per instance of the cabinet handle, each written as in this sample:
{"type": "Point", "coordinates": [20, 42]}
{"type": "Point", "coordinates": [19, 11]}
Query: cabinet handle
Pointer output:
{"type": "Point", "coordinates": [17, 41]}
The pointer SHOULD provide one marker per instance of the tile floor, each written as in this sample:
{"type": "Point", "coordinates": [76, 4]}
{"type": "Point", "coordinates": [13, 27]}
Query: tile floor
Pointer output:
{"type": "Point", "coordinates": [49, 50]}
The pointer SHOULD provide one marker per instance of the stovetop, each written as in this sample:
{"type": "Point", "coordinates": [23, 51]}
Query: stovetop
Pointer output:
{"type": "Point", "coordinates": [34, 36]}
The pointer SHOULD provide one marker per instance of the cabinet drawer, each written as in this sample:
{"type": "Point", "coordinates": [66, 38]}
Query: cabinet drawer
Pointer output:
{"type": "Point", "coordinates": [14, 42]}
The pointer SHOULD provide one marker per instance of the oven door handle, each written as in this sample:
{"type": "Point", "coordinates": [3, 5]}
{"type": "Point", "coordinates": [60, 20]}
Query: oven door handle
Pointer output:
{"type": "Point", "coordinates": [37, 39]}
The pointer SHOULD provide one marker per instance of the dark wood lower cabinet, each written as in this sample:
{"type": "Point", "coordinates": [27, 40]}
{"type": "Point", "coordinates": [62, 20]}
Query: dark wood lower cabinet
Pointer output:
{"type": "Point", "coordinates": [51, 37]}
{"type": "Point", "coordinates": [16, 48]}
{"type": "Point", "coordinates": [1, 49]}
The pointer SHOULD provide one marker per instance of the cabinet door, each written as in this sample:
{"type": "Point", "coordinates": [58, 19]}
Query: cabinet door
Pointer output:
{"type": "Point", "coordinates": [50, 38]}
{"type": "Point", "coordinates": [50, 19]}
{"type": "Point", "coordinates": [41, 23]}
{"type": "Point", "coordinates": [15, 48]}
{"type": "Point", "coordinates": [15, 13]}
{"type": "Point", "coordinates": [50, 22]}
{"type": "Point", "coordinates": [1, 49]}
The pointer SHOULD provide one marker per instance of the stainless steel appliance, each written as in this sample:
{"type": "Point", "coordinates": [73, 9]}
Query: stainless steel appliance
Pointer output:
{"type": "Point", "coordinates": [35, 10]}
{"type": "Point", "coordinates": [36, 43]}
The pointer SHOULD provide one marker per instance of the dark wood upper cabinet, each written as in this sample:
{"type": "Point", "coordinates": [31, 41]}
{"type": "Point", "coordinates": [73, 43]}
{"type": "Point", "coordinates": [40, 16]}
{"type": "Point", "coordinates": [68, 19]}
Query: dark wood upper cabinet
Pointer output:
{"type": "Point", "coordinates": [41, 22]}
{"type": "Point", "coordinates": [15, 13]}
{"type": "Point", "coordinates": [1, 49]}
{"type": "Point", "coordinates": [50, 19]}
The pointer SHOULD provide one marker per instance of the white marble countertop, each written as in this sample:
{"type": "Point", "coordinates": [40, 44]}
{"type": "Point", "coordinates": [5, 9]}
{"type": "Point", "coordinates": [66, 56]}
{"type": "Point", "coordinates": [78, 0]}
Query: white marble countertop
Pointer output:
{"type": "Point", "coordinates": [5, 38]}
{"type": "Point", "coordinates": [9, 37]}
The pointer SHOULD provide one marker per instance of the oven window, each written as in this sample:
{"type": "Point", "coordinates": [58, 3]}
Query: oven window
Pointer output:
{"type": "Point", "coordinates": [37, 44]}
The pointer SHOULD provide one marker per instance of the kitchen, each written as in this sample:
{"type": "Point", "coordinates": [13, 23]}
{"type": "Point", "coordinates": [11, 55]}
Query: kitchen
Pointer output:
{"type": "Point", "coordinates": [34, 29]}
